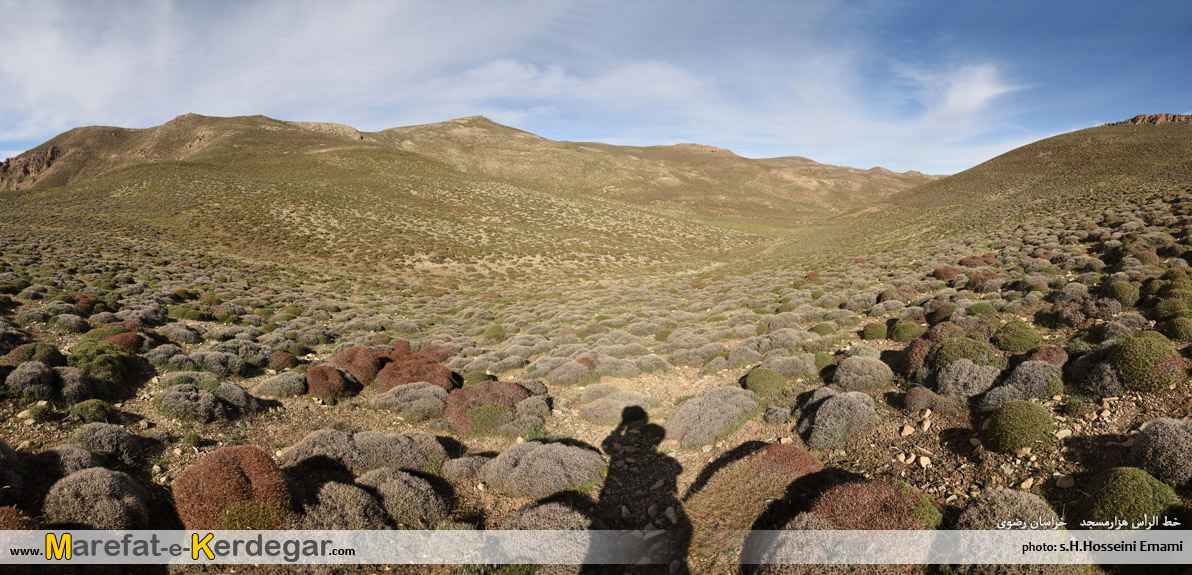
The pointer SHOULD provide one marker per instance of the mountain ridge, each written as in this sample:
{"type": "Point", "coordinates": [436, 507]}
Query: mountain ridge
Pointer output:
{"type": "Point", "coordinates": [472, 192]}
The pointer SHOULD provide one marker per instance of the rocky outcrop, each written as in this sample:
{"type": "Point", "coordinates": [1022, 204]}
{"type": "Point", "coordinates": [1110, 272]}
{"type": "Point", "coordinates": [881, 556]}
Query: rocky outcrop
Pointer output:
{"type": "Point", "coordinates": [24, 170]}
{"type": "Point", "coordinates": [329, 128]}
{"type": "Point", "coordinates": [1154, 119]}
{"type": "Point", "coordinates": [704, 148]}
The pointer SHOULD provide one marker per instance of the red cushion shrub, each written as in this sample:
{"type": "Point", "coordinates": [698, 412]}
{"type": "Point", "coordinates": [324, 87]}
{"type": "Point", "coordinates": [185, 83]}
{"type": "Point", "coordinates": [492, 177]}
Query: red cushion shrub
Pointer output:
{"type": "Point", "coordinates": [129, 340]}
{"type": "Point", "coordinates": [404, 367]}
{"type": "Point", "coordinates": [436, 353]}
{"type": "Point", "coordinates": [915, 355]}
{"type": "Point", "coordinates": [976, 280]}
{"type": "Point", "coordinates": [327, 381]}
{"type": "Point", "coordinates": [238, 487]}
{"type": "Point", "coordinates": [785, 460]}
{"type": "Point", "coordinates": [281, 360]}
{"type": "Point", "coordinates": [13, 519]}
{"type": "Point", "coordinates": [876, 505]}
{"type": "Point", "coordinates": [461, 402]}
{"type": "Point", "coordinates": [1049, 353]}
{"type": "Point", "coordinates": [945, 273]}
{"type": "Point", "coordinates": [361, 362]}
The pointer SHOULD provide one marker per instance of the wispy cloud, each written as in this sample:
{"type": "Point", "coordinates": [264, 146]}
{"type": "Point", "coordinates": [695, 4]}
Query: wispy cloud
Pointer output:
{"type": "Point", "coordinates": [650, 74]}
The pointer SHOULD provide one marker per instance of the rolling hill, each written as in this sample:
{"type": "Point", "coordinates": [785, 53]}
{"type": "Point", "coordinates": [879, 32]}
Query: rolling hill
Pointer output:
{"type": "Point", "coordinates": [474, 196]}
{"type": "Point", "coordinates": [1085, 169]}
{"type": "Point", "coordinates": [466, 191]}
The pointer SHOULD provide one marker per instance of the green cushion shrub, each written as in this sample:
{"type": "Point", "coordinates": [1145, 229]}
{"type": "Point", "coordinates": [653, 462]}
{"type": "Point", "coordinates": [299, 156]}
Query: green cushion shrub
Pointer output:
{"type": "Point", "coordinates": [1128, 494]}
{"type": "Point", "coordinates": [765, 382]}
{"type": "Point", "coordinates": [874, 331]}
{"type": "Point", "coordinates": [905, 331]}
{"type": "Point", "coordinates": [1017, 337]}
{"type": "Point", "coordinates": [1147, 362]}
{"type": "Point", "coordinates": [1016, 425]}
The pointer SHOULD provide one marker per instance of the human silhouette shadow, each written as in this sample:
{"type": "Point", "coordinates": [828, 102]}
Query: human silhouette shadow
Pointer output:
{"type": "Point", "coordinates": [642, 485]}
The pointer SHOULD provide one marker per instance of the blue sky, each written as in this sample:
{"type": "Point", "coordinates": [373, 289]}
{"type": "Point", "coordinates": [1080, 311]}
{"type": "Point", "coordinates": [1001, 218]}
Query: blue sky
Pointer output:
{"type": "Point", "coordinates": [931, 86]}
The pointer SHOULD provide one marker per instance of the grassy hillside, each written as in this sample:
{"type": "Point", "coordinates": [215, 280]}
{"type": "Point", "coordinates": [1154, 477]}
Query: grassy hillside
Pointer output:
{"type": "Point", "coordinates": [263, 188]}
{"type": "Point", "coordinates": [690, 178]}
{"type": "Point", "coordinates": [471, 200]}
{"type": "Point", "coordinates": [466, 193]}
{"type": "Point", "coordinates": [1090, 168]}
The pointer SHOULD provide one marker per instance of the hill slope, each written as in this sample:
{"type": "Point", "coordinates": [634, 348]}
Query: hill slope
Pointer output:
{"type": "Point", "coordinates": [1087, 168]}
{"type": "Point", "coordinates": [467, 191]}
{"type": "Point", "coordinates": [470, 198]}
{"type": "Point", "coordinates": [692, 178]}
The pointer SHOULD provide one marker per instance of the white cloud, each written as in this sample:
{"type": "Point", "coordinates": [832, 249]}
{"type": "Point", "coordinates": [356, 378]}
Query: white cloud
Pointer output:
{"type": "Point", "coordinates": [5, 154]}
{"type": "Point", "coordinates": [66, 65]}
{"type": "Point", "coordinates": [526, 63]}
{"type": "Point", "coordinates": [959, 97]}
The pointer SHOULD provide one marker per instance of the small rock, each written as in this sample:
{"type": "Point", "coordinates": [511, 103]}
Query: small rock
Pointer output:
{"type": "Point", "coordinates": [924, 461]}
{"type": "Point", "coordinates": [1065, 482]}
{"type": "Point", "coordinates": [907, 430]}
{"type": "Point", "coordinates": [785, 440]}
{"type": "Point", "coordinates": [156, 469]}
{"type": "Point", "coordinates": [23, 414]}
{"type": "Point", "coordinates": [481, 486]}
{"type": "Point", "coordinates": [925, 425]}
{"type": "Point", "coordinates": [675, 566]}
{"type": "Point", "coordinates": [658, 485]}
{"type": "Point", "coordinates": [144, 424]}
{"type": "Point", "coordinates": [624, 512]}
{"type": "Point", "coordinates": [1104, 413]}
{"type": "Point", "coordinates": [706, 448]}
{"type": "Point", "coordinates": [1024, 452]}
{"type": "Point", "coordinates": [1064, 433]}
{"type": "Point", "coordinates": [671, 515]}
{"type": "Point", "coordinates": [927, 413]}
{"type": "Point", "coordinates": [1028, 483]}
{"type": "Point", "coordinates": [974, 441]}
